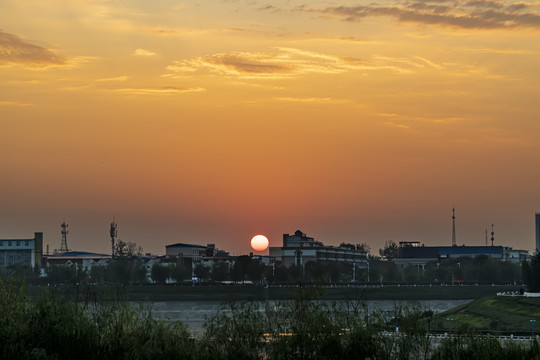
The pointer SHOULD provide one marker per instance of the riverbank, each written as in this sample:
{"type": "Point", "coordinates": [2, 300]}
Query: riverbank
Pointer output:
{"type": "Point", "coordinates": [496, 315]}
{"type": "Point", "coordinates": [258, 293]}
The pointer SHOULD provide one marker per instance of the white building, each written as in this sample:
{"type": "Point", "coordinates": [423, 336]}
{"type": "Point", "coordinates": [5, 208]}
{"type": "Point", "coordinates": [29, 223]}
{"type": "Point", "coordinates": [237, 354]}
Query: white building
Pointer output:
{"type": "Point", "coordinates": [26, 252]}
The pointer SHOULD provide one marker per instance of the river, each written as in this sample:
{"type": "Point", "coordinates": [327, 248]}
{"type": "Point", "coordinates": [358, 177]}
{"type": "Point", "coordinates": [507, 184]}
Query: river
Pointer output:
{"type": "Point", "coordinates": [195, 313]}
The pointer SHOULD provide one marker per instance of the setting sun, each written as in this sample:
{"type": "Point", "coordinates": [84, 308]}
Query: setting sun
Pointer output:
{"type": "Point", "coordinates": [259, 243]}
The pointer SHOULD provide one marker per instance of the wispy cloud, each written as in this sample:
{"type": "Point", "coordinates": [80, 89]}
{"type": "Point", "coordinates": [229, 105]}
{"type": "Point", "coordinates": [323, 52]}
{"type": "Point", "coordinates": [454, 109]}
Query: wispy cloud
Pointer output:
{"type": "Point", "coordinates": [165, 90]}
{"type": "Point", "coordinates": [305, 100]}
{"type": "Point", "coordinates": [114, 79]}
{"type": "Point", "coordinates": [143, 52]}
{"type": "Point", "coordinates": [282, 63]}
{"type": "Point", "coordinates": [15, 50]}
{"type": "Point", "coordinates": [475, 14]}
{"type": "Point", "coordinates": [14, 103]}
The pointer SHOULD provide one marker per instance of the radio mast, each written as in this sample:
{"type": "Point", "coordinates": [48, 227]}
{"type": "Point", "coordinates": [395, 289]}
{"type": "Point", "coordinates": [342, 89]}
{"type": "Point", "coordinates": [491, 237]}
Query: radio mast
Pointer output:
{"type": "Point", "coordinates": [63, 246]}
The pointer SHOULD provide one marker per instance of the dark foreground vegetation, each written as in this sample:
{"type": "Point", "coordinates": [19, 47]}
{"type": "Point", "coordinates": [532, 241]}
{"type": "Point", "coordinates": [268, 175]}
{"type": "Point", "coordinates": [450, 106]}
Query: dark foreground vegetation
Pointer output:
{"type": "Point", "coordinates": [54, 325]}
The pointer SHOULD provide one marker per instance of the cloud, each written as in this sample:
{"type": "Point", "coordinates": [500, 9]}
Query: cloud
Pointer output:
{"type": "Point", "coordinates": [165, 90]}
{"type": "Point", "coordinates": [13, 103]}
{"type": "Point", "coordinates": [305, 100]}
{"type": "Point", "coordinates": [142, 52]}
{"type": "Point", "coordinates": [282, 63]}
{"type": "Point", "coordinates": [474, 14]}
{"type": "Point", "coordinates": [16, 51]}
{"type": "Point", "coordinates": [117, 78]}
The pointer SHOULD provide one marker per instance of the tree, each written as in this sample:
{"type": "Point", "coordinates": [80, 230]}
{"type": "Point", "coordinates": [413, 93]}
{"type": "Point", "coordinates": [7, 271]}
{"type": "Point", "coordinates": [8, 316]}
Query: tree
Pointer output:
{"type": "Point", "coordinates": [159, 273]}
{"type": "Point", "coordinates": [296, 272]}
{"type": "Point", "coordinates": [363, 247]}
{"type": "Point", "coordinates": [240, 268]}
{"type": "Point", "coordinates": [389, 251]}
{"type": "Point", "coordinates": [255, 270]}
{"type": "Point", "coordinates": [126, 250]}
{"type": "Point", "coordinates": [531, 273]}
{"type": "Point", "coordinates": [63, 274]}
{"type": "Point", "coordinates": [98, 274]}
{"type": "Point", "coordinates": [281, 274]}
{"type": "Point", "coordinates": [347, 246]}
{"type": "Point", "coordinates": [220, 272]}
{"type": "Point", "coordinates": [119, 271]}
{"type": "Point", "coordinates": [202, 272]}
{"type": "Point", "coordinates": [179, 272]}
{"type": "Point", "coordinates": [317, 272]}
{"type": "Point", "coordinates": [138, 272]}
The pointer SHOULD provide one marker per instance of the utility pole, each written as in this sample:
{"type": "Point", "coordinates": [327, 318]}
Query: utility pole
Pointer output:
{"type": "Point", "coordinates": [114, 234]}
{"type": "Point", "coordinates": [454, 227]}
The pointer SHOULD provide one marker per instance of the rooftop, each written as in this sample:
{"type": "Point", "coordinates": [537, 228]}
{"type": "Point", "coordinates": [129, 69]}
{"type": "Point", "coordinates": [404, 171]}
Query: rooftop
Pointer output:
{"type": "Point", "coordinates": [186, 245]}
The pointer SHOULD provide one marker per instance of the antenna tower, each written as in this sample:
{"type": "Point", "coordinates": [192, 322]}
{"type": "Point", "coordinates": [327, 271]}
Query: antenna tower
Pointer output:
{"type": "Point", "coordinates": [114, 234]}
{"type": "Point", "coordinates": [492, 233]}
{"type": "Point", "coordinates": [63, 246]}
{"type": "Point", "coordinates": [454, 227]}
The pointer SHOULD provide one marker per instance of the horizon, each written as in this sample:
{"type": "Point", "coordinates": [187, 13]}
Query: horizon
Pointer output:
{"type": "Point", "coordinates": [211, 122]}
{"type": "Point", "coordinates": [272, 243]}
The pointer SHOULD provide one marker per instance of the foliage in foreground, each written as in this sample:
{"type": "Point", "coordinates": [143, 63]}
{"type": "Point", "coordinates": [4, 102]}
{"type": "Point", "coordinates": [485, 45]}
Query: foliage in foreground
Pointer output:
{"type": "Point", "coordinates": [55, 326]}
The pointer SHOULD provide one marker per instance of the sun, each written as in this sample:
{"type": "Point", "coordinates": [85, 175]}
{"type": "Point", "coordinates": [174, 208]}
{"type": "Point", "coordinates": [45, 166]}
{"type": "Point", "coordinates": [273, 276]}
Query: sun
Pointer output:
{"type": "Point", "coordinates": [259, 243]}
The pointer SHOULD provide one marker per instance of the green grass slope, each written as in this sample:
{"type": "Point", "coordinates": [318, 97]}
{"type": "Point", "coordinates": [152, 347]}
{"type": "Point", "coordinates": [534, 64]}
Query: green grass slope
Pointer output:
{"type": "Point", "coordinates": [492, 314]}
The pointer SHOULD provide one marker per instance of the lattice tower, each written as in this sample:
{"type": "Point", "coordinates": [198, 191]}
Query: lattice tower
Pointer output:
{"type": "Point", "coordinates": [64, 246]}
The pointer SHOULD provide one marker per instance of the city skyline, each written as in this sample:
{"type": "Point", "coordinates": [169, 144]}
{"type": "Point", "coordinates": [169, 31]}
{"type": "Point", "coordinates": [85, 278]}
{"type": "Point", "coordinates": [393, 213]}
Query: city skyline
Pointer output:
{"type": "Point", "coordinates": [212, 122]}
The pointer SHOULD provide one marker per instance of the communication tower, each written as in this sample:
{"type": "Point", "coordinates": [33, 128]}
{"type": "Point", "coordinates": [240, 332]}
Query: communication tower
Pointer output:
{"type": "Point", "coordinates": [114, 234]}
{"type": "Point", "coordinates": [454, 227]}
{"type": "Point", "coordinates": [63, 246]}
{"type": "Point", "coordinates": [492, 233]}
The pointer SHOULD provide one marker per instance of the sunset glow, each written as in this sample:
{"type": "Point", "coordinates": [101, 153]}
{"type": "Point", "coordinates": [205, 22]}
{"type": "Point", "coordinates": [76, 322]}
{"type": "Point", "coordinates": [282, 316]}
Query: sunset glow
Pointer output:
{"type": "Point", "coordinates": [363, 121]}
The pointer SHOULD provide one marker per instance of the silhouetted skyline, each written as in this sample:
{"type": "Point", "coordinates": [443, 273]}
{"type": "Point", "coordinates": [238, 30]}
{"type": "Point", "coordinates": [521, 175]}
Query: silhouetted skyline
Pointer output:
{"type": "Point", "coordinates": [211, 122]}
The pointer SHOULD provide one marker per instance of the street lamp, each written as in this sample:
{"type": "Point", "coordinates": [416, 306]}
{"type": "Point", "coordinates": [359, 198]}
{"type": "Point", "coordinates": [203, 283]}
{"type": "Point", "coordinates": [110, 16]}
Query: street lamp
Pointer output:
{"type": "Point", "coordinates": [449, 325]}
{"type": "Point", "coordinates": [532, 323]}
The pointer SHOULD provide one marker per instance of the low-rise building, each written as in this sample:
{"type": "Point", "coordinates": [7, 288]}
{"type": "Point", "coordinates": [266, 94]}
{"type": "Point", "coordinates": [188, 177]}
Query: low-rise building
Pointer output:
{"type": "Point", "coordinates": [82, 259]}
{"type": "Point", "coordinates": [298, 249]}
{"type": "Point", "coordinates": [412, 253]}
{"type": "Point", "coordinates": [26, 252]}
{"type": "Point", "coordinates": [181, 250]}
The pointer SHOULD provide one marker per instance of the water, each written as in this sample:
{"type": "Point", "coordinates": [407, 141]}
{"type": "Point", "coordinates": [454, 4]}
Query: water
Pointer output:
{"type": "Point", "coordinates": [195, 313]}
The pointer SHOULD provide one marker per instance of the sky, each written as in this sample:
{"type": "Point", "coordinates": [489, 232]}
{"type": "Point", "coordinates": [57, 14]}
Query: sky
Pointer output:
{"type": "Point", "coordinates": [213, 121]}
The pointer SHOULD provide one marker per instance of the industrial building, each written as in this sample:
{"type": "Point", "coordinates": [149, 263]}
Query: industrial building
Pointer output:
{"type": "Point", "coordinates": [298, 249]}
{"type": "Point", "coordinates": [412, 253]}
{"type": "Point", "coordinates": [26, 252]}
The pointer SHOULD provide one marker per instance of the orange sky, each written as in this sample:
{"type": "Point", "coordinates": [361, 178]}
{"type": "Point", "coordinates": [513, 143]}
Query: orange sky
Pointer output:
{"type": "Point", "coordinates": [212, 121]}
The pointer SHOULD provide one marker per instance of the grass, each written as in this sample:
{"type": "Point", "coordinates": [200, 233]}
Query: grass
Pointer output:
{"type": "Point", "coordinates": [492, 314]}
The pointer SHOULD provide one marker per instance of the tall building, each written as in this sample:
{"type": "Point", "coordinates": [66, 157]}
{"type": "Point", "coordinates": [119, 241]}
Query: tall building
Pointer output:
{"type": "Point", "coordinates": [537, 222]}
